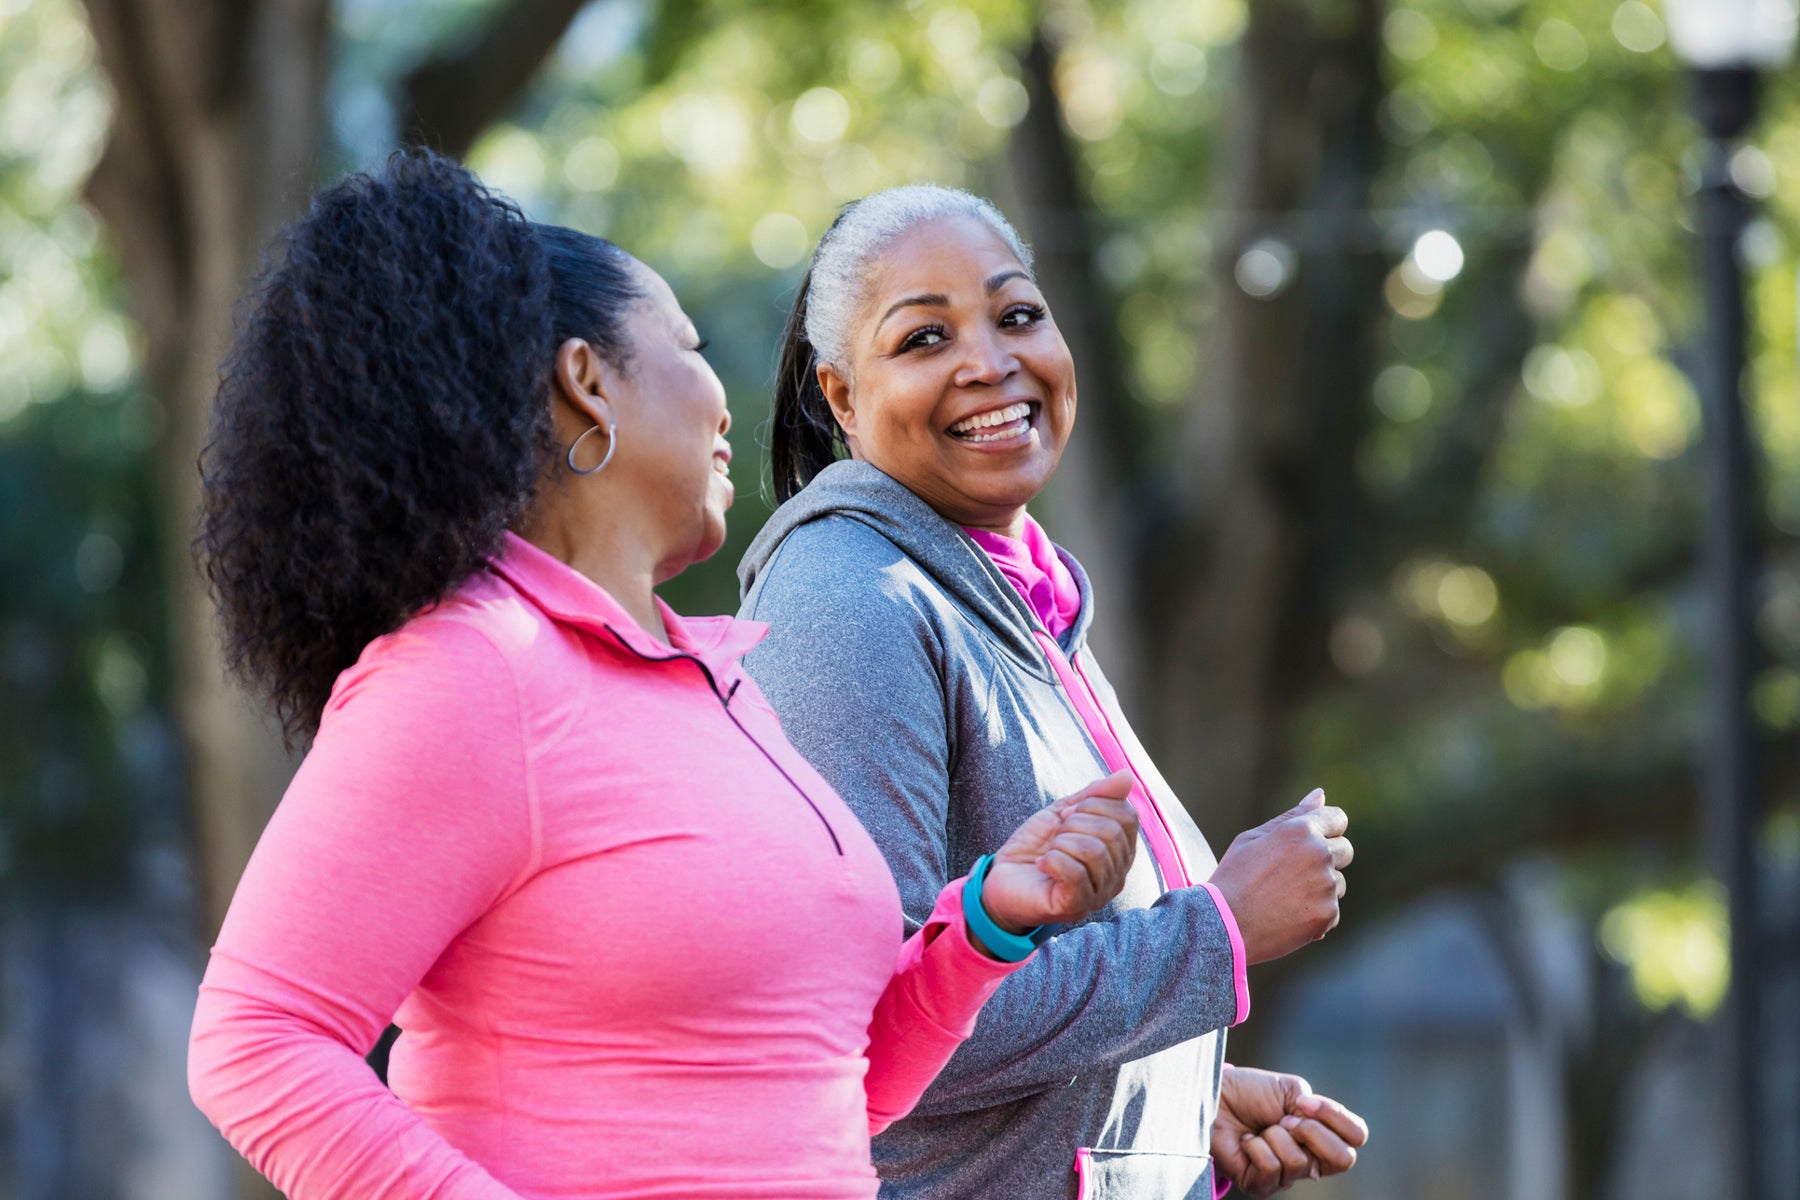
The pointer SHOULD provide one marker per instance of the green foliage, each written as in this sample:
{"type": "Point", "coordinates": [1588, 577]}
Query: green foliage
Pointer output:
{"type": "Point", "coordinates": [84, 745]}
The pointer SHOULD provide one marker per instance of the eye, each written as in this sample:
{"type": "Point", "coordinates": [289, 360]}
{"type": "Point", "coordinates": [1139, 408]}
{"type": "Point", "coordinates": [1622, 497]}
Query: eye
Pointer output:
{"type": "Point", "coordinates": [1021, 315]}
{"type": "Point", "coordinates": [930, 335]}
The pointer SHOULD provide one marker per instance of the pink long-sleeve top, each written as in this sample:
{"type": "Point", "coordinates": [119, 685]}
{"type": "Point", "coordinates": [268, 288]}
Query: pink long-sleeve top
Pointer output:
{"type": "Point", "coordinates": [637, 947]}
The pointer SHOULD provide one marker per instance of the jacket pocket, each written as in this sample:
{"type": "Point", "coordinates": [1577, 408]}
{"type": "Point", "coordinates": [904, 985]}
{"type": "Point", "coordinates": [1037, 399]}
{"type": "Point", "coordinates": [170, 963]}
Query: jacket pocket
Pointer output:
{"type": "Point", "coordinates": [1141, 1175]}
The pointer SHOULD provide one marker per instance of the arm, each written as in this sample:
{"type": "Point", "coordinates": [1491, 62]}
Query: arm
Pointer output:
{"type": "Point", "coordinates": [928, 1009]}
{"type": "Point", "coordinates": [406, 822]}
{"type": "Point", "coordinates": [1093, 997]}
{"type": "Point", "coordinates": [1062, 863]}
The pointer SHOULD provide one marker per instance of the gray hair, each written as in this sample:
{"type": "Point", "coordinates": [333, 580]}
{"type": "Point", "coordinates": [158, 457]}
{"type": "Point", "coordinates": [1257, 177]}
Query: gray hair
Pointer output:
{"type": "Point", "coordinates": [840, 264]}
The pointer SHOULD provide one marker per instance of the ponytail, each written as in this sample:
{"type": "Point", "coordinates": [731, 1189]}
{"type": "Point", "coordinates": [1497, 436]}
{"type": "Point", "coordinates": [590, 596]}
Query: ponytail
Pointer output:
{"type": "Point", "coordinates": [804, 436]}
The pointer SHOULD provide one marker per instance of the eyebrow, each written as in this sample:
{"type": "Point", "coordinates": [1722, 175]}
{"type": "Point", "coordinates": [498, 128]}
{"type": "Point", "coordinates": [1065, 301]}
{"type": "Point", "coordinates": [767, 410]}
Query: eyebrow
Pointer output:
{"type": "Point", "coordinates": [939, 300]}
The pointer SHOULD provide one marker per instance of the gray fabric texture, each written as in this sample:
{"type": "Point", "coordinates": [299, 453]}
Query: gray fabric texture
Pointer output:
{"type": "Point", "coordinates": [903, 665]}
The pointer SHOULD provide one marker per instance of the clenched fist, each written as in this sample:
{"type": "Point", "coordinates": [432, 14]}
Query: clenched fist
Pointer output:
{"type": "Point", "coordinates": [1066, 860]}
{"type": "Point", "coordinates": [1283, 879]}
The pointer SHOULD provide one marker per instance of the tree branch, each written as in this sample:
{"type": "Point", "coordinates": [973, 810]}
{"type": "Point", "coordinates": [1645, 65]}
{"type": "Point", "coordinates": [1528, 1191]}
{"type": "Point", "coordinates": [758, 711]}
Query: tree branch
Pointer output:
{"type": "Point", "coordinates": [449, 99]}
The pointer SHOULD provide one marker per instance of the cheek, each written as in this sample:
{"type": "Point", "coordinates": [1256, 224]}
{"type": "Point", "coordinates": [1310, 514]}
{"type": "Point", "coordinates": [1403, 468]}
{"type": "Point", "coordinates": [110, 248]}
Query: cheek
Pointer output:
{"type": "Point", "coordinates": [905, 407]}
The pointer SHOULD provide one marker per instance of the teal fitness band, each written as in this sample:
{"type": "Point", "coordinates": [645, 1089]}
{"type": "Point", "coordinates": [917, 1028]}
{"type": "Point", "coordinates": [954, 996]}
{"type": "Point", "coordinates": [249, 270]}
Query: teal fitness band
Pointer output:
{"type": "Point", "coordinates": [1007, 947]}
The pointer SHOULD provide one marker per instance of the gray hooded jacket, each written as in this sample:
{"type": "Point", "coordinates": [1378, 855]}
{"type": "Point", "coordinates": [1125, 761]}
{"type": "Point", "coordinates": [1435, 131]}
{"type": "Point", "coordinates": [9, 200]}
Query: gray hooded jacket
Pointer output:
{"type": "Point", "coordinates": [903, 665]}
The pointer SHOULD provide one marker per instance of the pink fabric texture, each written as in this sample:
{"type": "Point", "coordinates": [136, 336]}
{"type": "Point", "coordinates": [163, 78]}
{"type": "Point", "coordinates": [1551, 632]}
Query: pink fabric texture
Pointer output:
{"type": "Point", "coordinates": [636, 945]}
{"type": "Point", "coordinates": [1239, 973]}
{"type": "Point", "coordinates": [1031, 564]}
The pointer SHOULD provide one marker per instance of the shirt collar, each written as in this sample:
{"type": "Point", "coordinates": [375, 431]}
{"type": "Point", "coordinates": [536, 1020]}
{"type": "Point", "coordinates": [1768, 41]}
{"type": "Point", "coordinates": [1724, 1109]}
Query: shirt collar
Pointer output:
{"type": "Point", "coordinates": [571, 598]}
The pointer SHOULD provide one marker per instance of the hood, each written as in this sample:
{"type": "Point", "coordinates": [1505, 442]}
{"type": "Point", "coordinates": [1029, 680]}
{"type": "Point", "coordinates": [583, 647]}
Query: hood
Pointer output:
{"type": "Point", "coordinates": [942, 550]}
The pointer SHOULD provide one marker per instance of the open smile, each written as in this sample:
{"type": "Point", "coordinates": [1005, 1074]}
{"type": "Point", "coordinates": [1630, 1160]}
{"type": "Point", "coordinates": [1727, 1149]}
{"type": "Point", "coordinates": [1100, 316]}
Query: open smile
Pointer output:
{"type": "Point", "coordinates": [997, 425]}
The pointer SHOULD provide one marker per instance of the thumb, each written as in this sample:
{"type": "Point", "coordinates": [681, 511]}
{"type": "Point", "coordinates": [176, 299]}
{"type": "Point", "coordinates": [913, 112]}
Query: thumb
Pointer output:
{"type": "Point", "coordinates": [1297, 1097]}
{"type": "Point", "coordinates": [1116, 786]}
{"type": "Point", "coordinates": [1314, 801]}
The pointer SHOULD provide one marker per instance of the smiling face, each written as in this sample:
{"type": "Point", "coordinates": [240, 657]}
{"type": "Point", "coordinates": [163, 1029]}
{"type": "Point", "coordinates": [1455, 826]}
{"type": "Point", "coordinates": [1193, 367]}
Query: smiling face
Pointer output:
{"type": "Point", "coordinates": [959, 386]}
{"type": "Point", "coordinates": [673, 454]}
{"type": "Point", "coordinates": [661, 499]}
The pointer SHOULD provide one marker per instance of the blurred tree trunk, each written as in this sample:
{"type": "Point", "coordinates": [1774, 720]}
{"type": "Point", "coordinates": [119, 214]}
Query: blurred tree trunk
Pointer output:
{"type": "Point", "coordinates": [1267, 510]}
{"type": "Point", "coordinates": [214, 145]}
{"type": "Point", "coordinates": [1093, 502]}
{"type": "Point", "coordinates": [214, 138]}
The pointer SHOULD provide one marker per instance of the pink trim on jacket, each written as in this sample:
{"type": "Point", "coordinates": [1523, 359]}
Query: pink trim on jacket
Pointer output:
{"type": "Point", "coordinates": [1032, 565]}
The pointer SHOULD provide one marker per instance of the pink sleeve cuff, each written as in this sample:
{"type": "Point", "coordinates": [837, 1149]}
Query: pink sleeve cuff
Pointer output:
{"type": "Point", "coordinates": [1239, 967]}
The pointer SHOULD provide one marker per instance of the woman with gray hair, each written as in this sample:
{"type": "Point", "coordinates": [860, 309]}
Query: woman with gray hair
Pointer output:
{"type": "Point", "coordinates": [929, 656]}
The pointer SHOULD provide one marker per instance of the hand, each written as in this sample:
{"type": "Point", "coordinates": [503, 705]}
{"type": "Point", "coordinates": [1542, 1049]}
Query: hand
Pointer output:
{"type": "Point", "coordinates": [1272, 1131]}
{"type": "Point", "coordinates": [1066, 860]}
{"type": "Point", "coordinates": [1283, 879]}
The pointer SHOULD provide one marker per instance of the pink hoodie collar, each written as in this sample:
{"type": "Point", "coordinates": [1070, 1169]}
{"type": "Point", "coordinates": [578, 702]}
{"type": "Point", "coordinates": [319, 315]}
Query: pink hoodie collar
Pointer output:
{"type": "Point", "coordinates": [574, 599]}
{"type": "Point", "coordinates": [1032, 565]}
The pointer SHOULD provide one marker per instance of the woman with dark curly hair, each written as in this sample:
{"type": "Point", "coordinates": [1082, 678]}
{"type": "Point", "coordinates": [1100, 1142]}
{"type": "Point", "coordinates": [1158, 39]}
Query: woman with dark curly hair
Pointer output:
{"type": "Point", "coordinates": [636, 945]}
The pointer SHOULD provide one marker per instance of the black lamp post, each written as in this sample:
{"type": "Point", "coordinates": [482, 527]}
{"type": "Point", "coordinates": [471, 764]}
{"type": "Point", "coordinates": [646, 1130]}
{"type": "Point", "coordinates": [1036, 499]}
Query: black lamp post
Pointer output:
{"type": "Point", "coordinates": [1727, 43]}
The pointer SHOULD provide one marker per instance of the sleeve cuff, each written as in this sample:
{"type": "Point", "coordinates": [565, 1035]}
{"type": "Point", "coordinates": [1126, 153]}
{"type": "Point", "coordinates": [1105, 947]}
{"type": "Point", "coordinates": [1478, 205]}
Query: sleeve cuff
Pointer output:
{"type": "Point", "coordinates": [1239, 967]}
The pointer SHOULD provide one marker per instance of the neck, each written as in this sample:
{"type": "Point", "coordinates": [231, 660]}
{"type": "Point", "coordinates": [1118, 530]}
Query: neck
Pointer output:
{"type": "Point", "coordinates": [607, 553]}
{"type": "Point", "coordinates": [1010, 524]}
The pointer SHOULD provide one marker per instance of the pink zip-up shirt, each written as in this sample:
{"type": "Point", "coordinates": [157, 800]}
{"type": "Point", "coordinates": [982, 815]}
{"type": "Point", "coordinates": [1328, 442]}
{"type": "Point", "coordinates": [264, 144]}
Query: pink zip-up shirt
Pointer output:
{"type": "Point", "coordinates": [636, 945]}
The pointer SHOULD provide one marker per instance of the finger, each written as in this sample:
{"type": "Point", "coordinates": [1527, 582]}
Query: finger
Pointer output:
{"type": "Point", "coordinates": [1341, 852]}
{"type": "Point", "coordinates": [1079, 892]}
{"type": "Point", "coordinates": [1117, 829]}
{"type": "Point", "coordinates": [1296, 1164]}
{"type": "Point", "coordinates": [1329, 821]}
{"type": "Point", "coordinates": [1117, 786]}
{"type": "Point", "coordinates": [1089, 850]}
{"type": "Point", "coordinates": [1262, 1157]}
{"type": "Point", "coordinates": [1296, 1093]}
{"type": "Point", "coordinates": [1331, 1152]}
{"type": "Point", "coordinates": [1102, 823]}
{"type": "Point", "coordinates": [1340, 1120]}
{"type": "Point", "coordinates": [1314, 800]}
{"type": "Point", "coordinates": [1340, 883]}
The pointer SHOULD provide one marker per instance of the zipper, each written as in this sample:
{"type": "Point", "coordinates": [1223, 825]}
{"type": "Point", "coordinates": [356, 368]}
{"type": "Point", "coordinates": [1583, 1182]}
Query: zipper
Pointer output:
{"type": "Point", "coordinates": [724, 699]}
{"type": "Point", "coordinates": [1163, 846]}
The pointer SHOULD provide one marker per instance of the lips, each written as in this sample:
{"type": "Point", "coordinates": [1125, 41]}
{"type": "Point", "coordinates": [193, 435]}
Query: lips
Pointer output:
{"type": "Point", "coordinates": [997, 424]}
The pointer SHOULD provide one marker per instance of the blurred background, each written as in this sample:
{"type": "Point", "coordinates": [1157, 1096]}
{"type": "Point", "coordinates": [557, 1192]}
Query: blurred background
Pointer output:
{"type": "Point", "coordinates": [1426, 454]}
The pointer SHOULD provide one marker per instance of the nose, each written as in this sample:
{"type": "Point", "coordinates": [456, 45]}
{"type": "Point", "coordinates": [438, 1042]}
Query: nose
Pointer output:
{"type": "Point", "coordinates": [724, 422]}
{"type": "Point", "coordinates": [989, 361]}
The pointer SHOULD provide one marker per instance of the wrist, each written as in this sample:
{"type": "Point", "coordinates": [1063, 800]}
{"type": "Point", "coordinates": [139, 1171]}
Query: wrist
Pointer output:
{"type": "Point", "coordinates": [984, 932]}
{"type": "Point", "coordinates": [987, 905]}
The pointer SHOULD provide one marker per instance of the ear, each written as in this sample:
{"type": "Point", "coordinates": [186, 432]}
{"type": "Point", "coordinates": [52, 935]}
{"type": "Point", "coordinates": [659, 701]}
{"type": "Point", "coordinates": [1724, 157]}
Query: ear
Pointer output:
{"type": "Point", "coordinates": [579, 385]}
{"type": "Point", "coordinates": [837, 395]}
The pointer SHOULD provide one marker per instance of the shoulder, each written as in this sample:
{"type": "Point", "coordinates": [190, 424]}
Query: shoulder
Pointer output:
{"type": "Point", "coordinates": [839, 564]}
{"type": "Point", "coordinates": [460, 650]}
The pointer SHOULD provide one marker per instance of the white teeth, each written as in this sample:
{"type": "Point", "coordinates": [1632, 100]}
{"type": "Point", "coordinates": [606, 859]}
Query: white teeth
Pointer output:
{"type": "Point", "coordinates": [1000, 416]}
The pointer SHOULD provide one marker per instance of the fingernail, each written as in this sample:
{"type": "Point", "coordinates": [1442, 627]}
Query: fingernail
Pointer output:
{"type": "Point", "coordinates": [1290, 1122]}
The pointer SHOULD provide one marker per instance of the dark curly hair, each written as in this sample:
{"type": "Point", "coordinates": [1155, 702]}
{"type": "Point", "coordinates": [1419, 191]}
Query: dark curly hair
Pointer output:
{"type": "Point", "coordinates": [384, 414]}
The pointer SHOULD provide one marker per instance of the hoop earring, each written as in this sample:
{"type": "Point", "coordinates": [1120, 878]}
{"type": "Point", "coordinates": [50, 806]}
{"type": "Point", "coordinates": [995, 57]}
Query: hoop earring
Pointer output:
{"type": "Point", "coordinates": [612, 444]}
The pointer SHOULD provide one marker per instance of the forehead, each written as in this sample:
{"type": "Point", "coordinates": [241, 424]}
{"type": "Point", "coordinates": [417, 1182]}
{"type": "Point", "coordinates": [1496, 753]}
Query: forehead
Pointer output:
{"type": "Point", "coordinates": [657, 296]}
{"type": "Point", "coordinates": [944, 255]}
